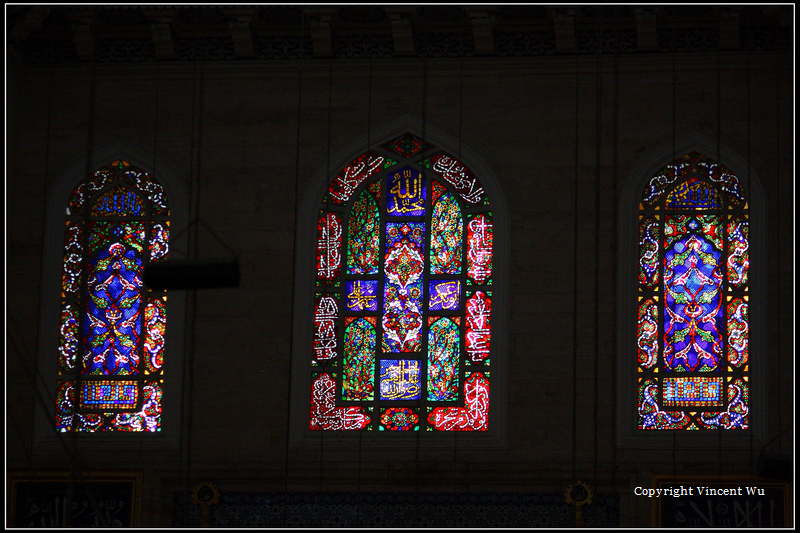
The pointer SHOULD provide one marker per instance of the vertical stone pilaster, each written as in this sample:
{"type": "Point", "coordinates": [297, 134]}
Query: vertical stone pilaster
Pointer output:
{"type": "Point", "coordinates": [646, 28]}
{"type": "Point", "coordinates": [564, 20]}
{"type": "Point", "coordinates": [321, 31]}
{"type": "Point", "coordinates": [482, 23]}
{"type": "Point", "coordinates": [402, 29]}
{"type": "Point", "coordinates": [729, 28]}
{"type": "Point", "coordinates": [242, 31]}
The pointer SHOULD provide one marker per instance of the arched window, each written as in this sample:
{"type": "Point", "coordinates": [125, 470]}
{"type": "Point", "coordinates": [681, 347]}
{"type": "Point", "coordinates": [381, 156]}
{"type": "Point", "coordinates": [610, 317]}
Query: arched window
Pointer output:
{"type": "Point", "coordinates": [111, 353]}
{"type": "Point", "coordinates": [693, 324]}
{"type": "Point", "coordinates": [402, 336]}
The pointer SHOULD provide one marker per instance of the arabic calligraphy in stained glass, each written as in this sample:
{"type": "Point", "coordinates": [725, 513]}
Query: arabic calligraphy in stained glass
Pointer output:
{"type": "Point", "coordinates": [434, 320]}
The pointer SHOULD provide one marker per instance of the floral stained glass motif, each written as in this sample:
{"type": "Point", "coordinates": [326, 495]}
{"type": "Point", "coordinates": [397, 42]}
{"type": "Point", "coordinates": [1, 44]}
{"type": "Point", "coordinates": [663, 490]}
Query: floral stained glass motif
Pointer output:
{"type": "Point", "coordinates": [402, 319]}
{"type": "Point", "coordinates": [402, 307]}
{"type": "Point", "coordinates": [112, 335]}
{"type": "Point", "coordinates": [693, 326]}
{"type": "Point", "coordinates": [363, 236]}
{"type": "Point", "coordinates": [447, 228]}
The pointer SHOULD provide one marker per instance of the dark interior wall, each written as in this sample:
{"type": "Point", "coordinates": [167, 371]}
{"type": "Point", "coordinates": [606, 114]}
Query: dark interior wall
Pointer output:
{"type": "Point", "coordinates": [563, 134]}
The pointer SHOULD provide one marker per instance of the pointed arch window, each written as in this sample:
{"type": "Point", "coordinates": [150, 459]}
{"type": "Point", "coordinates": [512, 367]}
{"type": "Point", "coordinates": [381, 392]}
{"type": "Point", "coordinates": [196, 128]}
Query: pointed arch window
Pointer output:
{"type": "Point", "coordinates": [693, 333]}
{"type": "Point", "coordinates": [402, 325]}
{"type": "Point", "coordinates": [110, 363]}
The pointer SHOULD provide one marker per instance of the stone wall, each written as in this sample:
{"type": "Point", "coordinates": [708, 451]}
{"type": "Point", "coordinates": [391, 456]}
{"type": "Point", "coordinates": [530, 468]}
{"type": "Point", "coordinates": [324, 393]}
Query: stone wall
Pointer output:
{"type": "Point", "coordinates": [563, 133]}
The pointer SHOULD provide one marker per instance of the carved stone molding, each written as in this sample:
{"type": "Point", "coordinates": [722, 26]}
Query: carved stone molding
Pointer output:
{"type": "Point", "coordinates": [59, 34]}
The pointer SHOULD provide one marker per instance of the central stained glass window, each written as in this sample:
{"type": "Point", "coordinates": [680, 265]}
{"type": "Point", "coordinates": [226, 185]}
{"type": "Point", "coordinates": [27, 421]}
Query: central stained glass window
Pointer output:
{"type": "Point", "coordinates": [693, 318]}
{"type": "Point", "coordinates": [403, 299]}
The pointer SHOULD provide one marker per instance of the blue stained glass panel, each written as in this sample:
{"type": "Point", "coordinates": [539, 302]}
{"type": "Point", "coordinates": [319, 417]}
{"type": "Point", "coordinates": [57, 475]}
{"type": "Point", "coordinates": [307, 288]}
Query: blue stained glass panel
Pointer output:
{"type": "Point", "coordinates": [693, 310]}
{"type": "Point", "coordinates": [113, 328]}
{"type": "Point", "coordinates": [406, 192]}
{"type": "Point", "coordinates": [444, 295]}
{"type": "Point", "coordinates": [693, 392]}
{"type": "Point", "coordinates": [109, 394]}
{"type": "Point", "coordinates": [400, 379]}
{"type": "Point", "coordinates": [362, 295]}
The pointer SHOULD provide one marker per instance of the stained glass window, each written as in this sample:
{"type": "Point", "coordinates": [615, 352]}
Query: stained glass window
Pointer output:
{"type": "Point", "coordinates": [693, 298]}
{"type": "Point", "coordinates": [110, 369]}
{"type": "Point", "coordinates": [403, 295]}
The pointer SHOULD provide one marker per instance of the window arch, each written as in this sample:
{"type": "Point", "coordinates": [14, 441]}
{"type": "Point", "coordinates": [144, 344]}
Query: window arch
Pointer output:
{"type": "Point", "coordinates": [693, 300]}
{"type": "Point", "coordinates": [112, 329]}
{"type": "Point", "coordinates": [404, 333]}
{"type": "Point", "coordinates": [109, 363]}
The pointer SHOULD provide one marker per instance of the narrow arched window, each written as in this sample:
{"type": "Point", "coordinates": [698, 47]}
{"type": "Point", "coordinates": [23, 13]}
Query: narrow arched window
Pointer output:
{"type": "Point", "coordinates": [693, 298]}
{"type": "Point", "coordinates": [110, 368]}
{"type": "Point", "coordinates": [403, 294]}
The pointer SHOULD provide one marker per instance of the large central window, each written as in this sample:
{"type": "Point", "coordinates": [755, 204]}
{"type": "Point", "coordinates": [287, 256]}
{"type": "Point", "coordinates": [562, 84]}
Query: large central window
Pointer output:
{"type": "Point", "coordinates": [403, 294]}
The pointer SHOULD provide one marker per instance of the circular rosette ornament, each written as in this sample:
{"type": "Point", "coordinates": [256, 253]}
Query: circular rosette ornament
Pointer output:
{"type": "Point", "coordinates": [400, 419]}
{"type": "Point", "coordinates": [404, 264]}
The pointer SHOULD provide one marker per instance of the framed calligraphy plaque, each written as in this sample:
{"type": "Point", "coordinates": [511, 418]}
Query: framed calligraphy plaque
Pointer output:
{"type": "Point", "coordinates": [719, 502]}
{"type": "Point", "coordinates": [50, 500]}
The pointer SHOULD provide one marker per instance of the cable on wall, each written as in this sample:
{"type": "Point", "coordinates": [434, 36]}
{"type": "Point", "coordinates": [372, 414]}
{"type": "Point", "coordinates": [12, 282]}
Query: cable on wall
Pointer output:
{"type": "Point", "coordinates": [294, 276]}
{"type": "Point", "coordinates": [674, 158]}
{"type": "Point", "coordinates": [575, 271]}
{"type": "Point", "coordinates": [598, 176]}
{"type": "Point", "coordinates": [719, 163]}
{"type": "Point", "coordinates": [76, 464]}
{"type": "Point", "coordinates": [369, 146]}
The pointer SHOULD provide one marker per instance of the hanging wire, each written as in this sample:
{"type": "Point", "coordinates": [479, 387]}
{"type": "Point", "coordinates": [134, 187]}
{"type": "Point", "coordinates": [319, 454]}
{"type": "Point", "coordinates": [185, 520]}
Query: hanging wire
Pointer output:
{"type": "Point", "coordinates": [75, 464]}
{"type": "Point", "coordinates": [326, 212]}
{"type": "Point", "coordinates": [36, 371]}
{"type": "Point", "coordinates": [369, 140]}
{"type": "Point", "coordinates": [460, 129]}
{"type": "Point", "coordinates": [719, 163]}
{"type": "Point", "coordinates": [778, 321]}
{"type": "Point", "coordinates": [575, 272]}
{"type": "Point", "coordinates": [417, 436]}
{"type": "Point", "coordinates": [598, 176]}
{"type": "Point", "coordinates": [675, 166]}
{"type": "Point", "coordinates": [748, 194]}
{"type": "Point", "coordinates": [294, 277]}
{"type": "Point", "coordinates": [191, 296]}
